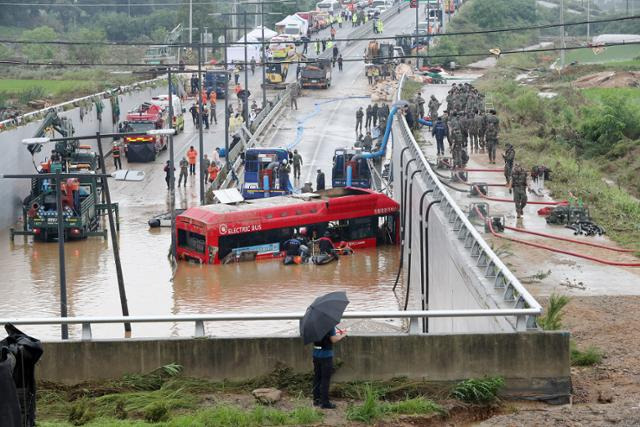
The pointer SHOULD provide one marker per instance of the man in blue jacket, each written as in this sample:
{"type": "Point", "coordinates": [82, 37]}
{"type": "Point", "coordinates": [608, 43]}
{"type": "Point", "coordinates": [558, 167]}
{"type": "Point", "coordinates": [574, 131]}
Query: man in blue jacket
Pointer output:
{"type": "Point", "coordinates": [439, 131]}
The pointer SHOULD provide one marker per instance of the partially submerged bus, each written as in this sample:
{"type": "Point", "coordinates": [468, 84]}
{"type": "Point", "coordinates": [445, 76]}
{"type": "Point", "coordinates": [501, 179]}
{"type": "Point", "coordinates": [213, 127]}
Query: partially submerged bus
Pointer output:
{"type": "Point", "coordinates": [256, 229]}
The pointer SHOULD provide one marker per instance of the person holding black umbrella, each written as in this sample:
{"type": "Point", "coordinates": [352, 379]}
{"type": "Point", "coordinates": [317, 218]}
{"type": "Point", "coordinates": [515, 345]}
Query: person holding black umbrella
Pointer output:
{"type": "Point", "coordinates": [323, 368]}
{"type": "Point", "coordinates": [319, 326]}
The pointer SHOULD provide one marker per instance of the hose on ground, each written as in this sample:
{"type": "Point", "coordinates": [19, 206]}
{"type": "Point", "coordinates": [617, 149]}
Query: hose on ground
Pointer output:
{"type": "Point", "coordinates": [552, 249]}
{"type": "Point", "coordinates": [497, 199]}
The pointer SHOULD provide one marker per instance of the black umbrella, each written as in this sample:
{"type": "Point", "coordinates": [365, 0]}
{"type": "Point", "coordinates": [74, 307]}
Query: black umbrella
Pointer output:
{"type": "Point", "coordinates": [322, 316]}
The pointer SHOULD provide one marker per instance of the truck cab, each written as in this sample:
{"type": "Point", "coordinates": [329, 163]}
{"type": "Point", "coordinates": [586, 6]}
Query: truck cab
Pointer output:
{"type": "Point", "coordinates": [261, 170]}
{"type": "Point", "coordinates": [345, 159]}
{"type": "Point", "coordinates": [143, 147]}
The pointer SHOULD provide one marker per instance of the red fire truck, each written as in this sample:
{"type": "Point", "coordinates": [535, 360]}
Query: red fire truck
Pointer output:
{"type": "Point", "coordinates": [144, 147]}
{"type": "Point", "coordinates": [359, 217]}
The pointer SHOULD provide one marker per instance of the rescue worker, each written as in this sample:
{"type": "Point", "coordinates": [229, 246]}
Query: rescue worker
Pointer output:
{"type": "Point", "coordinates": [434, 106]}
{"type": "Point", "coordinates": [509, 157]}
{"type": "Point", "coordinates": [205, 116]}
{"type": "Point", "coordinates": [167, 174]}
{"type": "Point", "coordinates": [369, 116]}
{"type": "Point", "coordinates": [325, 245]}
{"type": "Point", "coordinates": [192, 155]}
{"type": "Point", "coordinates": [194, 113]}
{"type": "Point", "coordinates": [297, 163]}
{"type": "Point", "coordinates": [374, 111]}
{"type": "Point", "coordinates": [359, 116]}
{"type": "Point", "coordinates": [482, 129]}
{"type": "Point", "coordinates": [212, 171]}
{"type": "Point", "coordinates": [335, 52]}
{"type": "Point", "coordinates": [375, 26]}
{"type": "Point", "coordinates": [419, 100]}
{"type": "Point", "coordinates": [518, 184]}
{"type": "Point", "coordinates": [283, 175]}
{"type": "Point", "coordinates": [473, 132]}
{"type": "Point", "coordinates": [333, 33]}
{"type": "Point", "coordinates": [213, 100]}
{"type": "Point", "coordinates": [340, 62]}
{"type": "Point", "coordinates": [205, 164]}
{"type": "Point", "coordinates": [439, 131]}
{"type": "Point", "coordinates": [292, 246]}
{"type": "Point", "coordinates": [380, 26]}
{"type": "Point", "coordinates": [236, 75]}
{"type": "Point", "coordinates": [491, 135]}
{"type": "Point", "coordinates": [184, 167]}
{"type": "Point", "coordinates": [115, 152]}
{"type": "Point", "coordinates": [319, 180]}
{"type": "Point", "coordinates": [383, 113]}
{"type": "Point", "coordinates": [253, 65]}
{"type": "Point", "coordinates": [317, 45]}
{"type": "Point", "coordinates": [293, 96]}
{"type": "Point", "coordinates": [367, 142]}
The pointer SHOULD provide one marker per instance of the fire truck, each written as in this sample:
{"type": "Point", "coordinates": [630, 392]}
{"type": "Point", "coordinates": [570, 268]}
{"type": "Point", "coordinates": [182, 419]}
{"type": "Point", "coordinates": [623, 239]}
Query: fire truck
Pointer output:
{"type": "Point", "coordinates": [144, 147]}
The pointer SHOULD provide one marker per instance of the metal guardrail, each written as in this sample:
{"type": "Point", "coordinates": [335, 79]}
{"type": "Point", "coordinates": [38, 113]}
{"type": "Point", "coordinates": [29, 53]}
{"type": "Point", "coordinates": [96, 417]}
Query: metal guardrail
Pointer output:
{"type": "Point", "coordinates": [25, 118]}
{"type": "Point", "coordinates": [514, 292]}
{"type": "Point", "coordinates": [200, 319]}
{"type": "Point", "coordinates": [258, 126]}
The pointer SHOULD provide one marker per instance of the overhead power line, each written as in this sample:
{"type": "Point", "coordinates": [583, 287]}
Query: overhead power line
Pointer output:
{"type": "Point", "coordinates": [337, 39]}
{"type": "Point", "coordinates": [314, 60]}
{"type": "Point", "coordinates": [125, 5]}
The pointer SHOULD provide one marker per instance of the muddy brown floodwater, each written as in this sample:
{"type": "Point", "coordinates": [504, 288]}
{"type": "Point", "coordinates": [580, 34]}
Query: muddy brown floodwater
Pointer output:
{"type": "Point", "coordinates": [30, 284]}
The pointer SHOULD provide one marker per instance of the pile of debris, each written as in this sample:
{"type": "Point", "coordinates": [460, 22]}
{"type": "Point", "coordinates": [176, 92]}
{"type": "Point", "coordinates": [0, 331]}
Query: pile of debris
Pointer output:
{"type": "Point", "coordinates": [609, 79]}
{"type": "Point", "coordinates": [384, 90]}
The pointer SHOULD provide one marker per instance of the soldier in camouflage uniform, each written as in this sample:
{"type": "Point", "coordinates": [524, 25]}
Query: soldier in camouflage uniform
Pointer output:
{"type": "Point", "coordinates": [491, 135]}
{"type": "Point", "coordinates": [474, 129]}
{"type": "Point", "coordinates": [519, 185]}
{"type": "Point", "coordinates": [482, 128]}
{"type": "Point", "coordinates": [509, 157]}
{"type": "Point", "coordinates": [434, 105]}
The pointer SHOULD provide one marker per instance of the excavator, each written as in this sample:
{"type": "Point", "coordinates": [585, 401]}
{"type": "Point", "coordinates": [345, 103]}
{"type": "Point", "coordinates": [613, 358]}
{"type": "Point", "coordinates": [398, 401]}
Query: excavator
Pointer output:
{"type": "Point", "coordinates": [81, 197]}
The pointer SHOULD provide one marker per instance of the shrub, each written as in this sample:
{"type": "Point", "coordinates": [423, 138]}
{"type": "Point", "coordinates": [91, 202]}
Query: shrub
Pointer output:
{"type": "Point", "coordinates": [589, 357]}
{"type": "Point", "coordinates": [39, 52]}
{"type": "Point", "coordinates": [29, 94]}
{"type": "Point", "coordinates": [156, 412]}
{"type": "Point", "coordinates": [552, 320]}
{"type": "Point", "coordinates": [480, 391]}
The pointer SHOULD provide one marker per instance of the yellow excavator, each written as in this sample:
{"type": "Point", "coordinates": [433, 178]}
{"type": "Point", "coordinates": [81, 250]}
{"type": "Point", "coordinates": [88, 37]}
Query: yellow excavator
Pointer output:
{"type": "Point", "coordinates": [283, 55]}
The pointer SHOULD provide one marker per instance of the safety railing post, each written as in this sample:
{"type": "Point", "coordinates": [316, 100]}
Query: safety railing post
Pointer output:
{"type": "Point", "coordinates": [86, 331]}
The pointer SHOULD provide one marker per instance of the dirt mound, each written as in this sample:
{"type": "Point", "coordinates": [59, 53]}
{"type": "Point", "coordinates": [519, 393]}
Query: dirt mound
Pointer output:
{"type": "Point", "coordinates": [610, 79]}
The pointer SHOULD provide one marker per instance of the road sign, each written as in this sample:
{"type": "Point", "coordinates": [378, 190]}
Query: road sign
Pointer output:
{"type": "Point", "coordinates": [413, 4]}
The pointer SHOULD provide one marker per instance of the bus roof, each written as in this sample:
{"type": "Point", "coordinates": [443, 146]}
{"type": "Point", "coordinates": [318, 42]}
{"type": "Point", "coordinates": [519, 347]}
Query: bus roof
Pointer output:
{"type": "Point", "coordinates": [292, 210]}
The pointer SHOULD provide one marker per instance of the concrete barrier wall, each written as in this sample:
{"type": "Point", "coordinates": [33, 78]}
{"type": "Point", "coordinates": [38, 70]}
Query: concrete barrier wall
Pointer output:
{"type": "Point", "coordinates": [453, 281]}
{"type": "Point", "coordinates": [533, 364]}
{"type": "Point", "coordinates": [16, 158]}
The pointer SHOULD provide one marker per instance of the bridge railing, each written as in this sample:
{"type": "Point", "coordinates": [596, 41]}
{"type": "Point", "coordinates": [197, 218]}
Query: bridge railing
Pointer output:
{"type": "Point", "coordinates": [199, 319]}
{"type": "Point", "coordinates": [514, 294]}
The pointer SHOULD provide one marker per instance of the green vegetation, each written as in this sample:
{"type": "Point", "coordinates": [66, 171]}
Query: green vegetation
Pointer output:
{"type": "Point", "coordinates": [479, 15]}
{"type": "Point", "coordinates": [610, 54]}
{"type": "Point", "coordinates": [589, 357]}
{"type": "Point", "coordinates": [480, 391]}
{"type": "Point", "coordinates": [552, 320]}
{"type": "Point", "coordinates": [410, 88]}
{"type": "Point", "coordinates": [581, 136]}
{"type": "Point", "coordinates": [373, 409]}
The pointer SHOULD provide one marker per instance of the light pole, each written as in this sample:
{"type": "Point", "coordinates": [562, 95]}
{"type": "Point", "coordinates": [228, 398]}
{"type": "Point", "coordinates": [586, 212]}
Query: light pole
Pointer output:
{"type": "Point", "coordinates": [562, 36]}
{"type": "Point", "coordinates": [200, 135]}
{"type": "Point", "coordinates": [172, 180]}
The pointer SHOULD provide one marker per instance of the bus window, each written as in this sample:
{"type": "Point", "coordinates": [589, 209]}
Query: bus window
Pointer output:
{"type": "Point", "coordinates": [191, 240]}
{"type": "Point", "coordinates": [387, 229]}
{"type": "Point", "coordinates": [362, 228]}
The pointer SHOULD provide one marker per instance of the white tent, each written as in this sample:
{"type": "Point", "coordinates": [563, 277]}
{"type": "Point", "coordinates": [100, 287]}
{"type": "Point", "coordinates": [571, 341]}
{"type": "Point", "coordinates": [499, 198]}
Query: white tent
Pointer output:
{"type": "Point", "coordinates": [257, 34]}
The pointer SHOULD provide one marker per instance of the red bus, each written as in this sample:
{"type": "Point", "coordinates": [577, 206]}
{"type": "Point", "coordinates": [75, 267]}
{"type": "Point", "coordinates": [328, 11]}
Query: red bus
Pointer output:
{"type": "Point", "coordinates": [360, 217]}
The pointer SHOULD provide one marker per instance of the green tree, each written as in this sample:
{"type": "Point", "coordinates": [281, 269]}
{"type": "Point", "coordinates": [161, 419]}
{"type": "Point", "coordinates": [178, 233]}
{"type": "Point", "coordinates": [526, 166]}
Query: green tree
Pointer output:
{"type": "Point", "coordinates": [39, 52]}
{"type": "Point", "coordinates": [90, 53]}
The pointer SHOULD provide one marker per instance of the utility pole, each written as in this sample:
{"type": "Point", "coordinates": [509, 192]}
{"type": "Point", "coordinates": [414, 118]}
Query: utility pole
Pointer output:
{"type": "Point", "coordinates": [226, 105]}
{"type": "Point", "coordinates": [200, 135]}
{"type": "Point", "coordinates": [190, 21]}
{"type": "Point", "coordinates": [417, 34]}
{"type": "Point", "coordinates": [562, 38]}
{"type": "Point", "coordinates": [64, 333]}
{"type": "Point", "coordinates": [114, 237]}
{"type": "Point", "coordinates": [172, 180]}
{"type": "Point", "coordinates": [588, 19]}
{"type": "Point", "coordinates": [245, 103]}
{"type": "Point", "coordinates": [264, 59]}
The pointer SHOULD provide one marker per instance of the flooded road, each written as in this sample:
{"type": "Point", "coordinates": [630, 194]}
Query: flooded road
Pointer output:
{"type": "Point", "coordinates": [30, 285]}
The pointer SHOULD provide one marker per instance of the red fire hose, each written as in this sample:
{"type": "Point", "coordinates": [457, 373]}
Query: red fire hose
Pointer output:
{"type": "Point", "coordinates": [497, 199]}
{"type": "Point", "coordinates": [556, 250]}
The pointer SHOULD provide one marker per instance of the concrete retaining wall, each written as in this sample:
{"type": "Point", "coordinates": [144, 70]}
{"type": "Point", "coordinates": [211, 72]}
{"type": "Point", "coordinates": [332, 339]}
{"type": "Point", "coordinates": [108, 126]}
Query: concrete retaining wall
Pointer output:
{"type": "Point", "coordinates": [452, 280]}
{"type": "Point", "coordinates": [533, 364]}
{"type": "Point", "coordinates": [16, 159]}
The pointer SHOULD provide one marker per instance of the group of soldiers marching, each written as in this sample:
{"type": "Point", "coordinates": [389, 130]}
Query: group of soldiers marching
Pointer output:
{"type": "Point", "coordinates": [467, 126]}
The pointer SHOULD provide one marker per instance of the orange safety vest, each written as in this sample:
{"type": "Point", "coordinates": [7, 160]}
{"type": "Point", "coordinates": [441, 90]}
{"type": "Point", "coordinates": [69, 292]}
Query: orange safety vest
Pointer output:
{"type": "Point", "coordinates": [213, 172]}
{"type": "Point", "coordinates": [213, 97]}
{"type": "Point", "coordinates": [191, 155]}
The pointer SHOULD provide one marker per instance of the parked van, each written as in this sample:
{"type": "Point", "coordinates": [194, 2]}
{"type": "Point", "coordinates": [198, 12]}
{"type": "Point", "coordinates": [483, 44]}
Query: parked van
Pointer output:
{"type": "Point", "coordinates": [178, 110]}
{"type": "Point", "coordinates": [332, 7]}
